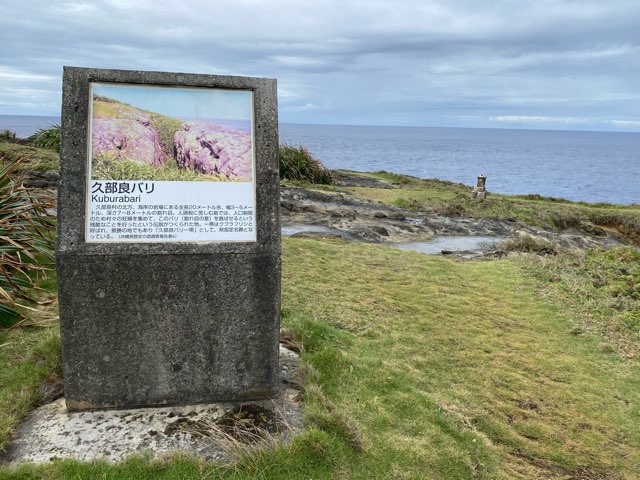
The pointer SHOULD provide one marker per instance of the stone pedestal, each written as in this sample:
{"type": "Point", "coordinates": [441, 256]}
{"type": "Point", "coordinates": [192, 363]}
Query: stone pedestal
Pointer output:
{"type": "Point", "coordinates": [149, 324]}
{"type": "Point", "coordinates": [479, 192]}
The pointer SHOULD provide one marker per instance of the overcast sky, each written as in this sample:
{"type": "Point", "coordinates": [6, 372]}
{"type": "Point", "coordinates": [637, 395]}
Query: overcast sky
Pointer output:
{"type": "Point", "coordinates": [478, 63]}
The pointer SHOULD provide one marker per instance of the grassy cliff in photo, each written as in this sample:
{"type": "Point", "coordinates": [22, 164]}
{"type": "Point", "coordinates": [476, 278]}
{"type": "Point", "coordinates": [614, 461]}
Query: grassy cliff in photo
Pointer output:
{"type": "Point", "coordinates": [126, 140]}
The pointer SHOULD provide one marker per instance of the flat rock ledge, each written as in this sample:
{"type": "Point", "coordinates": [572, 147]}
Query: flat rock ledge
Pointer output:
{"type": "Point", "coordinates": [214, 432]}
{"type": "Point", "coordinates": [368, 221]}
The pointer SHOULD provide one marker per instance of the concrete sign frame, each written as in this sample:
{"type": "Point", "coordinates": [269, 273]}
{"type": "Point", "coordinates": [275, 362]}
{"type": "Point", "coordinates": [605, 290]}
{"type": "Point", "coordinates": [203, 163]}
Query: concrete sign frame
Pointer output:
{"type": "Point", "coordinates": [147, 324]}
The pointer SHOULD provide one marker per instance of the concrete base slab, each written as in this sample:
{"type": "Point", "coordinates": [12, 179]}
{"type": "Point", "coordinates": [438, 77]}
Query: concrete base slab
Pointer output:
{"type": "Point", "coordinates": [209, 431]}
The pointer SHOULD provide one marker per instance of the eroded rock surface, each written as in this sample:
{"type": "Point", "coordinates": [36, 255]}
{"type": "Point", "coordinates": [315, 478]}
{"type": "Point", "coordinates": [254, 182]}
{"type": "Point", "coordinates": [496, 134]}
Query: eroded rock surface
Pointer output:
{"type": "Point", "coordinates": [210, 148]}
{"type": "Point", "coordinates": [130, 137]}
{"type": "Point", "coordinates": [356, 219]}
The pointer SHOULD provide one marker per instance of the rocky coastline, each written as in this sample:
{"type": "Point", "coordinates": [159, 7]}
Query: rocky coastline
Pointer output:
{"type": "Point", "coordinates": [338, 214]}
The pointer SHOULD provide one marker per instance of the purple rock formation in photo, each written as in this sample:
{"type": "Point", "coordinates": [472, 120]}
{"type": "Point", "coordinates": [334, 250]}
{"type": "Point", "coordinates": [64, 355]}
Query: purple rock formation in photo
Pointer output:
{"type": "Point", "coordinates": [130, 137]}
{"type": "Point", "coordinates": [210, 148]}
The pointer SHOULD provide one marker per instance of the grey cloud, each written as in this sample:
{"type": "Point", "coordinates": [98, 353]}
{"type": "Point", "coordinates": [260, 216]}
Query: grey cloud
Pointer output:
{"type": "Point", "coordinates": [426, 62]}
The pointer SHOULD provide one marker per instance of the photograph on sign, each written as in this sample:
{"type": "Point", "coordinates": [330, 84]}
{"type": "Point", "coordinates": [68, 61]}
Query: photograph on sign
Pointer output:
{"type": "Point", "coordinates": [170, 164]}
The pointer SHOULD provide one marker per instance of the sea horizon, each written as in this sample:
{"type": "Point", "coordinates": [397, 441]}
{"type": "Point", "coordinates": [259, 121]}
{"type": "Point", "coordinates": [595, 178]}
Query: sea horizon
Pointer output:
{"type": "Point", "coordinates": [578, 165]}
{"type": "Point", "coordinates": [586, 130]}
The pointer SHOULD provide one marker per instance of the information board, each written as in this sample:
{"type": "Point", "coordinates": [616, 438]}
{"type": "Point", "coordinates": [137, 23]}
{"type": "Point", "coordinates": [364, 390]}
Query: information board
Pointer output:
{"type": "Point", "coordinates": [170, 164]}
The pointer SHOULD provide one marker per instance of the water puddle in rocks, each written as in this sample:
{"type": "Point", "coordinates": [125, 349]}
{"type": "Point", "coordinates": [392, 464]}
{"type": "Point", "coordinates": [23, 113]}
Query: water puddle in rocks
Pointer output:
{"type": "Point", "coordinates": [434, 246]}
{"type": "Point", "coordinates": [451, 244]}
{"type": "Point", "coordinates": [289, 230]}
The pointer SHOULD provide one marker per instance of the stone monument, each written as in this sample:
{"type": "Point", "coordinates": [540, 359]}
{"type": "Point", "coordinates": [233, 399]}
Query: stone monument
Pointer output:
{"type": "Point", "coordinates": [479, 192]}
{"type": "Point", "coordinates": [168, 253]}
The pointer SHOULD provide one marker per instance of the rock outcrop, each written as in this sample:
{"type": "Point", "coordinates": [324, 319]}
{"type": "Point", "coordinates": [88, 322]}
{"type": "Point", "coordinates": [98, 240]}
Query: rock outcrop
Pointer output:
{"type": "Point", "coordinates": [368, 221]}
{"type": "Point", "coordinates": [36, 179]}
{"type": "Point", "coordinates": [210, 148]}
{"type": "Point", "coordinates": [131, 137]}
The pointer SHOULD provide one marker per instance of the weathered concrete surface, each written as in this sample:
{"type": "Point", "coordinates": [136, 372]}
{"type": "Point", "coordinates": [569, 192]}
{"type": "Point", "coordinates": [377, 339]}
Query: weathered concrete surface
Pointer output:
{"type": "Point", "coordinates": [150, 324]}
{"type": "Point", "coordinates": [168, 329]}
{"type": "Point", "coordinates": [51, 432]}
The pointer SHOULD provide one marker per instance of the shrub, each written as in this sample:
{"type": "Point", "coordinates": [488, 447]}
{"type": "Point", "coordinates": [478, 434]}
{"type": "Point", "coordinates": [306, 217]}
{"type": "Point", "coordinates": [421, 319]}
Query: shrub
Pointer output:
{"type": "Point", "coordinates": [395, 178]}
{"type": "Point", "coordinates": [627, 224]}
{"type": "Point", "coordinates": [408, 204]}
{"type": "Point", "coordinates": [25, 241]}
{"type": "Point", "coordinates": [100, 98]}
{"type": "Point", "coordinates": [296, 163]}
{"type": "Point", "coordinates": [564, 219]}
{"type": "Point", "coordinates": [455, 209]}
{"type": "Point", "coordinates": [47, 138]}
{"type": "Point", "coordinates": [7, 134]}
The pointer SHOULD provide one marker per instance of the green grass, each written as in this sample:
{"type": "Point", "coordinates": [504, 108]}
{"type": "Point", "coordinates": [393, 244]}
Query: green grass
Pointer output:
{"type": "Point", "coordinates": [465, 356]}
{"type": "Point", "coordinates": [109, 167]}
{"type": "Point", "coordinates": [31, 158]}
{"type": "Point", "coordinates": [603, 287]}
{"type": "Point", "coordinates": [421, 367]}
{"type": "Point", "coordinates": [27, 357]}
{"type": "Point", "coordinates": [166, 128]}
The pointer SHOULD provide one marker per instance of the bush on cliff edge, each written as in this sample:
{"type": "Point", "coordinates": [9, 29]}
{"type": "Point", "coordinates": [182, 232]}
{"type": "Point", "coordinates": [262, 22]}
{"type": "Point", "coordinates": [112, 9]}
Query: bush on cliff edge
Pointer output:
{"type": "Point", "coordinates": [47, 138]}
{"type": "Point", "coordinates": [296, 163]}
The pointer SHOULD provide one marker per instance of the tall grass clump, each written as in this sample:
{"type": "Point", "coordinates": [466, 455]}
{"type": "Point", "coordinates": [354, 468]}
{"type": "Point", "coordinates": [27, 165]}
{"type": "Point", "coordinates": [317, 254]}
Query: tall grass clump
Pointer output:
{"type": "Point", "coordinates": [7, 134]}
{"type": "Point", "coordinates": [26, 246]}
{"type": "Point", "coordinates": [296, 163]}
{"type": "Point", "coordinates": [47, 138]}
{"type": "Point", "coordinates": [166, 128]}
{"type": "Point", "coordinates": [529, 244]}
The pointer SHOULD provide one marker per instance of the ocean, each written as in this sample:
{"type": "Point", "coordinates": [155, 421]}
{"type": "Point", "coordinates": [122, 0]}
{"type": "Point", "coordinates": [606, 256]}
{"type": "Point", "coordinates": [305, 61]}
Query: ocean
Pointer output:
{"type": "Point", "coordinates": [26, 125]}
{"type": "Point", "coordinates": [583, 166]}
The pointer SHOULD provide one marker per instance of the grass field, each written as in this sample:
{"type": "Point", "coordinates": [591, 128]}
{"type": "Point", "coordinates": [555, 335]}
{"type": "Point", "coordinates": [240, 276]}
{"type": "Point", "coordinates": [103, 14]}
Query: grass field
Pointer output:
{"type": "Point", "coordinates": [416, 367]}
{"type": "Point", "coordinates": [419, 367]}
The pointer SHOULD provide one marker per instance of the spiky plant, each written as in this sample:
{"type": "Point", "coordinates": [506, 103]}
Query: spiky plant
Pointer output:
{"type": "Point", "coordinates": [47, 138]}
{"type": "Point", "coordinates": [297, 163]}
{"type": "Point", "coordinates": [26, 246]}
